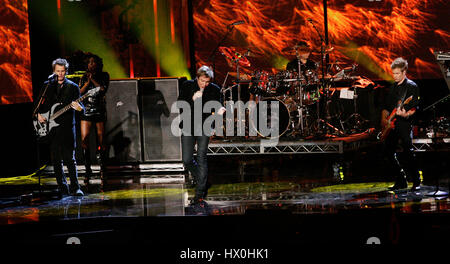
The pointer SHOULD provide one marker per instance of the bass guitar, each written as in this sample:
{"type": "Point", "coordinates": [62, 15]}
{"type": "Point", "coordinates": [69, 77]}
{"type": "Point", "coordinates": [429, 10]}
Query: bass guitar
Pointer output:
{"type": "Point", "coordinates": [43, 129]}
{"type": "Point", "coordinates": [390, 124]}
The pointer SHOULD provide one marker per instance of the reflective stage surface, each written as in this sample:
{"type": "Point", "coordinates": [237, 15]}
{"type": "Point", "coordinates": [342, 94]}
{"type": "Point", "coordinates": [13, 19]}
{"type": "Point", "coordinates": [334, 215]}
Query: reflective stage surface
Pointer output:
{"type": "Point", "coordinates": [141, 200]}
{"type": "Point", "coordinates": [272, 200]}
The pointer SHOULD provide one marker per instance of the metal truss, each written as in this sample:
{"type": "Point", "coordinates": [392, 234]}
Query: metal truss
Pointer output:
{"type": "Point", "coordinates": [302, 147]}
{"type": "Point", "coordinates": [283, 147]}
{"type": "Point", "coordinates": [426, 144]}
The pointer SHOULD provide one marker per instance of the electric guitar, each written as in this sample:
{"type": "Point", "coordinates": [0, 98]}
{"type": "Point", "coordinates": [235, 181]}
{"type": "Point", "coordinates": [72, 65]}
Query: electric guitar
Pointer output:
{"type": "Point", "coordinates": [391, 120]}
{"type": "Point", "coordinates": [43, 129]}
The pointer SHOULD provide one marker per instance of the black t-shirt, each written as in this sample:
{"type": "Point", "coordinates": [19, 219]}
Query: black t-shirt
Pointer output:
{"type": "Point", "coordinates": [401, 92]}
{"type": "Point", "coordinates": [293, 65]}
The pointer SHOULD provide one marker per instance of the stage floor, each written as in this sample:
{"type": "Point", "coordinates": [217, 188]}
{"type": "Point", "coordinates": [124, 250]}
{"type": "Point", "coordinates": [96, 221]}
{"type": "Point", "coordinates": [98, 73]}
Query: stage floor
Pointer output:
{"type": "Point", "coordinates": [142, 200]}
{"type": "Point", "coordinates": [300, 199]}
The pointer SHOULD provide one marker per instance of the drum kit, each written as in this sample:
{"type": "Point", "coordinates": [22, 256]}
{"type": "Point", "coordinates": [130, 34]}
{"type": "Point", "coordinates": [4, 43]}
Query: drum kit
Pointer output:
{"type": "Point", "coordinates": [307, 107]}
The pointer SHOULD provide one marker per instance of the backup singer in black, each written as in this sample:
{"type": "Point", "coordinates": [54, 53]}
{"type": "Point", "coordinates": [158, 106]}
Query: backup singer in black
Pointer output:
{"type": "Point", "coordinates": [400, 90]}
{"type": "Point", "coordinates": [95, 113]}
{"type": "Point", "coordinates": [62, 137]}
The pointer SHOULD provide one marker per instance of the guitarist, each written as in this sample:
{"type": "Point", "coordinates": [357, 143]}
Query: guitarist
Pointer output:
{"type": "Point", "coordinates": [62, 137]}
{"type": "Point", "coordinates": [402, 88]}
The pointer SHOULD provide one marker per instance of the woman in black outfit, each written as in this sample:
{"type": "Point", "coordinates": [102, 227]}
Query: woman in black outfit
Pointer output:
{"type": "Point", "coordinates": [95, 108]}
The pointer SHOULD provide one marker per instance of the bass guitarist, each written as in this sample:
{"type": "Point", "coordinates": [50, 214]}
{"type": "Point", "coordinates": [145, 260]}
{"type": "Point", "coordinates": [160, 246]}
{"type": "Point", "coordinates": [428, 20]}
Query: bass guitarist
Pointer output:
{"type": "Point", "coordinates": [402, 125]}
{"type": "Point", "coordinates": [62, 137]}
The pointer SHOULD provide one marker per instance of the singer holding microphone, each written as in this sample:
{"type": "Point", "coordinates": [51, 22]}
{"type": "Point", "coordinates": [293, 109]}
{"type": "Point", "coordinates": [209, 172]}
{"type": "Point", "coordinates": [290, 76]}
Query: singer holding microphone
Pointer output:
{"type": "Point", "coordinates": [62, 138]}
{"type": "Point", "coordinates": [201, 90]}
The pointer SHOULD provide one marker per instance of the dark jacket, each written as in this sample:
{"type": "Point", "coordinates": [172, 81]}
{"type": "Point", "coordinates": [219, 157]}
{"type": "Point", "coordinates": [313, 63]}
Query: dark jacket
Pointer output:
{"type": "Point", "coordinates": [65, 94]}
{"type": "Point", "coordinates": [211, 93]}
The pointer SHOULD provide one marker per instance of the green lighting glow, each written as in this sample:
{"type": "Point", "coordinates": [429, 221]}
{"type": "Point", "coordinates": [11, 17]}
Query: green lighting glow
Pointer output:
{"type": "Point", "coordinates": [79, 31]}
{"type": "Point", "coordinates": [279, 62]}
{"type": "Point", "coordinates": [169, 51]}
{"type": "Point", "coordinates": [137, 193]}
{"type": "Point", "coordinates": [85, 36]}
{"type": "Point", "coordinates": [353, 51]}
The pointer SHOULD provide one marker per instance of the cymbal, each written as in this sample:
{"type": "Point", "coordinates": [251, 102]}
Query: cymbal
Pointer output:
{"type": "Point", "coordinates": [246, 51]}
{"type": "Point", "coordinates": [362, 82]}
{"type": "Point", "coordinates": [242, 76]}
{"type": "Point", "coordinates": [231, 54]}
{"type": "Point", "coordinates": [338, 63]}
{"type": "Point", "coordinates": [327, 50]}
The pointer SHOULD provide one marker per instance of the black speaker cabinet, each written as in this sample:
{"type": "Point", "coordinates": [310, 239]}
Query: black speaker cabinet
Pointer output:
{"type": "Point", "coordinates": [122, 128]}
{"type": "Point", "coordinates": [157, 97]}
{"type": "Point", "coordinates": [139, 120]}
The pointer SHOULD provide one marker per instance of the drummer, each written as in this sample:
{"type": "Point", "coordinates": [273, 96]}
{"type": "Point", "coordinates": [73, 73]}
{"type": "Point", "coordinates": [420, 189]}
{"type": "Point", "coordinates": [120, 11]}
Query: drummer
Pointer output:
{"type": "Point", "coordinates": [302, 51]}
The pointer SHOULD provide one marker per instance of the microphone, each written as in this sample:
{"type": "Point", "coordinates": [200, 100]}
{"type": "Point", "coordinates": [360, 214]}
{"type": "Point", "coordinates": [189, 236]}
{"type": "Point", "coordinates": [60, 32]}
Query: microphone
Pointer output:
{"type": "Point", "coordinates": [52, 76]}
{"type": "Point", "coordinates": [237, 23]}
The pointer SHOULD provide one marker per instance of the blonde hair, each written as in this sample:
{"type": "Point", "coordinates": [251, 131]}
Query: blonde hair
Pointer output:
{"type": "Point", "coordinates": [205, 71]}
{"type": "Point", "coordinates": [399, 63]}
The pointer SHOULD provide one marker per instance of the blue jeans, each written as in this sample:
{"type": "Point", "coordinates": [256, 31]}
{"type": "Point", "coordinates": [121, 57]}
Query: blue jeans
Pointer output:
{"type": "Point", "coordinates": [198, 167]}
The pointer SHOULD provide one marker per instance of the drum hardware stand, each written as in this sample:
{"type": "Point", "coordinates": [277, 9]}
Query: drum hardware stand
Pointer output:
{"type": "Point", "coordinates": [358, 119]}
{"type": "Point", "coordinates": [299, 128]}
{"type": "Point", "coordinates": [436, 192]}
{"type": "Point", "coordinates": [323, 57]}
{"type": "Point", "coordinates": [212, 57]}
{"type": "Point", "coordinates": [299, 93]}
{"type": "Point", "coordinates": [324, 125]}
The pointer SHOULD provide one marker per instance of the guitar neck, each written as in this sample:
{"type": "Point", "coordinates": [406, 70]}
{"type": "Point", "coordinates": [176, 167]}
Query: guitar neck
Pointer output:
{"type": "Point", "coordinates": [67, 107]}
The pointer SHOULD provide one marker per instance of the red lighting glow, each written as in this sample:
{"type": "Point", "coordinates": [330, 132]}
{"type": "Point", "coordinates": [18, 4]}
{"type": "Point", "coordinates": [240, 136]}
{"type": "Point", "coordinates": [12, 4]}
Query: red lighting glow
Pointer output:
{"type": "Point", "coordinates": [15, 62]}
{"type": "Point", "coordinates": [370, 33]}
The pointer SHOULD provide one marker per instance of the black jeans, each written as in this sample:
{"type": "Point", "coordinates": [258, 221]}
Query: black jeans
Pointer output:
{"type": "Point", "coordinates": [198, 167]}
{"type": "Point", "coordinates": [405, 162]}
{"type": "Point", "coordinates": [61, 154]}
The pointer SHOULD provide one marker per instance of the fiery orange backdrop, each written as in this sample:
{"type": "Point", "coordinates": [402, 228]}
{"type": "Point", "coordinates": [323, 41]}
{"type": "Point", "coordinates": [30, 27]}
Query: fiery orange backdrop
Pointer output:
{"type": "Point", "coordinates": [369, 32]}
{"type": "Point", "coordinates": [15, 62]}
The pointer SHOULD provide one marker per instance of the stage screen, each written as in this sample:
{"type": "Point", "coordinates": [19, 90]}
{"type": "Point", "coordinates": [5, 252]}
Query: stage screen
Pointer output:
{"type": "Point", "coordinates": [369, 33]}
{"type": "Point", "coordinates": [15, 63]}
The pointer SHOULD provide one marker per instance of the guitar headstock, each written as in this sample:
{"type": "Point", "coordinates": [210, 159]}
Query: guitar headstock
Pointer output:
{"type": "Point", "coordinates": [94, 91]}
{"type": "Point", "coordinates": [408, 100]}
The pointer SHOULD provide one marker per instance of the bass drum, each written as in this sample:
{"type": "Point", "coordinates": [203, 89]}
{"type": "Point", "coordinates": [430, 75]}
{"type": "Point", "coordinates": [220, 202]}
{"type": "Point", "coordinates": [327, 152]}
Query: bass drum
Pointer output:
{"type": "Point", "coordinates": [283, 118]}
{"type": "Point", "coordinates": [311, 94]}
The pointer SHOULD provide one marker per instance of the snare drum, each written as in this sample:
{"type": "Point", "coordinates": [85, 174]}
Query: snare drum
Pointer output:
{"type": "Point", "coordinates": [263, 83]}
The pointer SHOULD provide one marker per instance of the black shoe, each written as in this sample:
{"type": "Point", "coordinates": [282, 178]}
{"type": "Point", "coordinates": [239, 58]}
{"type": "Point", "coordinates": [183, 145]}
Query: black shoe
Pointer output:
{"type": "Point", "coordinates": [415, 187]}
{"type": "Point", "coordinates": [200, 207]}
{"type": "Point", "coordinates": [399, 186]}
{"type": "Point", "coordinates": [78, 192]}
